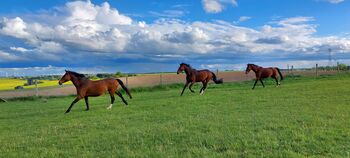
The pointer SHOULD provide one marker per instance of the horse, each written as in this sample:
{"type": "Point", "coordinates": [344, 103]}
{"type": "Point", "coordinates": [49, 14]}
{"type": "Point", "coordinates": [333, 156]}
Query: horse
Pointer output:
{"type": "Point", "coordinates": [193, 76]}
{"type": "Point", "coordinates": [262, 73]}
{"type": "Point", "coordinates": [88, 88]}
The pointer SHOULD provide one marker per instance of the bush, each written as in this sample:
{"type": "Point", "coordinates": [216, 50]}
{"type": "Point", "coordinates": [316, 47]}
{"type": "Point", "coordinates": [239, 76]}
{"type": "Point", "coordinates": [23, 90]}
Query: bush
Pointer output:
{"type": "Point", "coordinates": [19, 87]}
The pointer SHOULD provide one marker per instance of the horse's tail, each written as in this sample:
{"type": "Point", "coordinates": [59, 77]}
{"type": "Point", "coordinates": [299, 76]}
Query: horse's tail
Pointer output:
{"type": "Point", "coordinates": [220, 81]}
{"type": "Point", "coordinates": [279, 72]}
{"type": "Point", "coordinates": [124, 87]}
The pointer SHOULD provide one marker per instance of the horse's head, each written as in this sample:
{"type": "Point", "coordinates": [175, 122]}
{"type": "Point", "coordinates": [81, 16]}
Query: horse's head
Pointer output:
{"type": "Point", "coordinates": [65, 78]}
{"type": "Point", "coordinates": [249, 67]}
{"type": "Point", "coordinates": [181, 68]}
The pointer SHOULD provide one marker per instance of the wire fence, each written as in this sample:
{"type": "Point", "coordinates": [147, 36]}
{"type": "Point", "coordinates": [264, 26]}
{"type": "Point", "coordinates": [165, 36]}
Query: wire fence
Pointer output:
{"type": "Point", "coordinates": [165, 79]}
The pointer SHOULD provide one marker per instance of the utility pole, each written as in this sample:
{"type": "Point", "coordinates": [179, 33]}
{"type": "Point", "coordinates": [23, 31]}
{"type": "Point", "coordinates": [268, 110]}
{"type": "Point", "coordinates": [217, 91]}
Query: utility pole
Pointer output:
{"type": "Point", "coordinates": [330, 57]}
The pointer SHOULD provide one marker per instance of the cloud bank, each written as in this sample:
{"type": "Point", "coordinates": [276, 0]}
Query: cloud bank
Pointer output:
{"type": "Point", "coordinates": [87, 31]}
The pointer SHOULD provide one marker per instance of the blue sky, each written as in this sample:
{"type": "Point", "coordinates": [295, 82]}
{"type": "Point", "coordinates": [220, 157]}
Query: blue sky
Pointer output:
{"type": "Point", "coordinates": [151, 36]}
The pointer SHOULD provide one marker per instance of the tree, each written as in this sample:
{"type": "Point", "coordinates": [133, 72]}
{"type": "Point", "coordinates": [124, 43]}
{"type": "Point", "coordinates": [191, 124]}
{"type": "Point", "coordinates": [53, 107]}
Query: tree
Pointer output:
{"type": "Point", "coordinates": [343, 67]}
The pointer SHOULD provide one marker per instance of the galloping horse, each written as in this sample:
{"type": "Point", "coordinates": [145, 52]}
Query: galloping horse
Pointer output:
{"type": "Point", "coordinates": [262, 73]}
{"type": "Point", "coordinates": [193, 76]}
{"type": "Point", "coordinates": [88, 88]}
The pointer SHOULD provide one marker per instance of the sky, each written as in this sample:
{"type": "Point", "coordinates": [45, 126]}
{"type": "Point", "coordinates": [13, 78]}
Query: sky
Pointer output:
{"type": "Point", "coordinates": [139, 36]}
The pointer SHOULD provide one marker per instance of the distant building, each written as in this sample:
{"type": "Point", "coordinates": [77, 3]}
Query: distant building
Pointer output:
{"type": "Point", "coordinates": [30, 81]}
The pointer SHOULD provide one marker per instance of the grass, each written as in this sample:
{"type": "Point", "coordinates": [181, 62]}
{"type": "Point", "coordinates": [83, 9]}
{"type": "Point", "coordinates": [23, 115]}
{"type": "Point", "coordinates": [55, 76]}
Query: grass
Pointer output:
{"type": "Point", "coordinates": [10, 84]}
{"type": "Point", "coordinates": [305, 117]}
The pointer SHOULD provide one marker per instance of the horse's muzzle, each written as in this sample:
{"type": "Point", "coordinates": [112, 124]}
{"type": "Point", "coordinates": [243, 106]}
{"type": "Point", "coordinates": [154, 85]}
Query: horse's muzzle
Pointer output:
{"type": "Point", "coordinates": [59, 83]}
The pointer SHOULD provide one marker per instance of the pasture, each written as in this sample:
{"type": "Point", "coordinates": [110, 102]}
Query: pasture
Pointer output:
{"type": "Point", "coordinates": [304, 117]}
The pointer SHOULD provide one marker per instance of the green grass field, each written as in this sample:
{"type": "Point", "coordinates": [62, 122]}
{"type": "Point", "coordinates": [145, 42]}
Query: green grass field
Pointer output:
{"type": "Point", "coordinates": [305, 117]}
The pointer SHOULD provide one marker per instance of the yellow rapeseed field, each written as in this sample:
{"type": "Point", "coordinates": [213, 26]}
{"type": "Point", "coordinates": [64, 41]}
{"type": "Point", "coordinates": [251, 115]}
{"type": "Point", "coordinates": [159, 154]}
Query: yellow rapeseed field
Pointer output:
{"type": "Point", "coordinates": [10, 84]}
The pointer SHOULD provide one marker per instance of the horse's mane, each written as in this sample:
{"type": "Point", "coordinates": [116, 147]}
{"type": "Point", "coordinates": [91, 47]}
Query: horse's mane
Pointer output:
{"type": "Point", "coordinates": [188, 65]}
{"type": "Point", "coordinates": [254, 65]}
{"type": "Point", "coordinates": [77, 74]}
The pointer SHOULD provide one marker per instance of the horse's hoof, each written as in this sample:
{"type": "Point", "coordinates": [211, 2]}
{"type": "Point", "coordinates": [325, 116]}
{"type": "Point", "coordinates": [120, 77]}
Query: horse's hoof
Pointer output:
{"type": "Point", "coordinates": [66, 112]}
{"type": "Point", "coordinates": [86, 109]}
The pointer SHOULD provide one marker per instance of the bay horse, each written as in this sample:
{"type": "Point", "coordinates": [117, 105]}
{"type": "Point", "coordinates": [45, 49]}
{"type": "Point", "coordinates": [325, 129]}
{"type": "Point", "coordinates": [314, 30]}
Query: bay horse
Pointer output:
{"type": "Point", "coordinates": [88, 88]}
{"type": "Point", "coordinates": [193, 76]}
{"type": "Point", "coordinates": [261, 73]}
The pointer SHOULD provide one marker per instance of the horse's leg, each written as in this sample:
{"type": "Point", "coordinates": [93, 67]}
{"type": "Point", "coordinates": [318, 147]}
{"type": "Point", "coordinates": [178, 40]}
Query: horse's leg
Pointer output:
{"type": "Point", "coordinates": [184, 88]}
{"type": "Point", "coordinates": [276, 79]}
{"type": "Point", "coordinates": [112, 100]}
{"type": "Point", "coordinates": [262, 83]}
{"type": "Point", "coordinates": [204, 87]}
{"type": "Point", "coordinates": [121, 96]}
{"type": "Point", "coordinates": [256, 80]}
{"type": "Point", "coordinates": [190, 87]}
{"type": "Point", "coordinates": [71, 105]}
{"type": "Point", "coordinates": [87, 103]}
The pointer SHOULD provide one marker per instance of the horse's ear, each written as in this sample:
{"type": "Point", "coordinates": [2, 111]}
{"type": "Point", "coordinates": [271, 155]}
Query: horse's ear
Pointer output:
{"type": "Point", "coordinates": [65, 70]}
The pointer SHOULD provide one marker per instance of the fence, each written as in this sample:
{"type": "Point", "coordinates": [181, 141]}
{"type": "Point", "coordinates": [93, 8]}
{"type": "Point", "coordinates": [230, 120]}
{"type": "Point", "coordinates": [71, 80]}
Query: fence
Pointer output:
{"type": "Point", "coordinates": [162, 79]}
{"type": "Point", "coordinates": [166, 78]}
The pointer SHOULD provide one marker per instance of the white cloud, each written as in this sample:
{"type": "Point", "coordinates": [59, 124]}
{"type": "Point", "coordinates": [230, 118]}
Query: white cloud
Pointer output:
{"type": "Point", "coordinates": [88, 28]}
{"type": "Point", "coordinates": [244, 18]}
{"type": "Point", "coordinates": [14, 27]}
{"type": "Point", "coordinates": [189, 35]}
{"type": "Point", "coordinates": [50, 47]}
{"type": "Point", "coordinates": [80, 11]}
{"type": "Point", "coordinates": [332, 1]}
{"type": "Point", "coordinates": [6, 57]}
{"type": "Point", "coordinates": [212, 6]}
{"type": "Point", "coordinates": [295, 20]}
{"type": "Point", "coordinates": [169, 13]}
{"type": "Point", "coordinates": [217, 6]}
{"type": "Point", "coordinates": [20, 49]}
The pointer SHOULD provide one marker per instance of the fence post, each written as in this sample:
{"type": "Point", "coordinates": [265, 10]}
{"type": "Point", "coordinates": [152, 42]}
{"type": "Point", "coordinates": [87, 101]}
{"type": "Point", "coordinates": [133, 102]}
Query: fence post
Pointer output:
{"type": "Point", "coordinates": [291, 70]}
{"type": "Point", "coordinates": [288, 68]}
{"type": "Point", "coordinates": [126, 80]}
{"type": "Point", "coordinates": [217, 72]}
{"type": "Point", "coordinates": [36, 88]}
{"type": "Point", "coordinates": [338, 67]}
{"type": "Point", "coordinates": [316, 70]}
